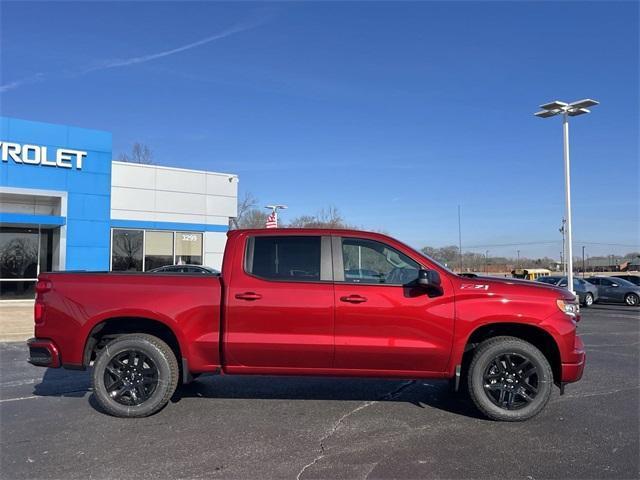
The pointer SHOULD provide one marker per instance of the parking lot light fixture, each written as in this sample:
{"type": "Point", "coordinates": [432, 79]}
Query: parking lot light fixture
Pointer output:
{"type": "Point", "coordinates": [567, 110]}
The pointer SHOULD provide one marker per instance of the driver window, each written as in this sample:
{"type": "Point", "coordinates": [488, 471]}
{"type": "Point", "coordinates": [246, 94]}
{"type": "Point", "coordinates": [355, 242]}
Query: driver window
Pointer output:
{"type": "Point", "coordinates": [368, 261]}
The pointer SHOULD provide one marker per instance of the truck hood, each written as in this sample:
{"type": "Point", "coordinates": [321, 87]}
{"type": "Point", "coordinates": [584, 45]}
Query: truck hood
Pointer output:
{"type": "Point", "coordinates": [501, 284]}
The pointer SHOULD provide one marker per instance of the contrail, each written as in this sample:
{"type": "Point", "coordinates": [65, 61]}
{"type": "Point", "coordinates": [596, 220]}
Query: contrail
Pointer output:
{"type": "Point", "coordinates": [123, 62]}
{"type": "Point", "coordinates": [153, 56]}
{"type": "Point", "coordinates": [38, 77]}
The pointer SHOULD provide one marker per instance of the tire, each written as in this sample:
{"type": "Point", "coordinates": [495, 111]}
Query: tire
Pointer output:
{"type": "Point", "coordinates": [632, 299]}
{"type": "Point", "coordinates": [509, 379]}
{"type": "Point", "coordinates": [588, 300]}
{"type": "Point", "coordinates": [135, 376]}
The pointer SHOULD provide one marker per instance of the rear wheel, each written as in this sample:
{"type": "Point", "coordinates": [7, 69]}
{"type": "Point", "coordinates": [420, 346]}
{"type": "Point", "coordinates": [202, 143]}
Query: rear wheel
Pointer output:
{"type": "Point", "coordinates": [135, 375]}
{"type": "Point", "coordinates": [632, 299]}
{"type": "Point", "coordinates": [588, 300]}
{"type": "Point", "coordinates": [509, 379]}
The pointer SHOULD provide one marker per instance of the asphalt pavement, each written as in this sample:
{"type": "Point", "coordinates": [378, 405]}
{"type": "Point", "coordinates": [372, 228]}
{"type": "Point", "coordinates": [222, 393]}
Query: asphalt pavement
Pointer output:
{"type": "Point", "coordinates": [276, 427]}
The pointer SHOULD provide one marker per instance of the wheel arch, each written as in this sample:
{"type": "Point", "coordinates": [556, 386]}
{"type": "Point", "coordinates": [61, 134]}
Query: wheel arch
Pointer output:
{"type": "Point", "coordinates": [113, 327]}
{"type": "Point", "coordinates": [537, 336]}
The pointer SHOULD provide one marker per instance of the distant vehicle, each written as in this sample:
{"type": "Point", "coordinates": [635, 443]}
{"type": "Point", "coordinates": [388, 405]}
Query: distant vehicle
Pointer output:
{"type": "Point", "coordinates": [587, 293]}
{"type": "Point", "coordinates": [635, 279]}
{"type": "Point", "coordinates": [613, 289]}
{"type": "Point", "coordinates": [530, 273]}
{"type": "Point", "coordinates": [184, 269]}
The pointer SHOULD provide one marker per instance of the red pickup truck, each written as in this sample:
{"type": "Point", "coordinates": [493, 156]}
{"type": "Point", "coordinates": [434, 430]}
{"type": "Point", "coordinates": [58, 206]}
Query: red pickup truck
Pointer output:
{"type": "Point", "coordinates": [342, 303]}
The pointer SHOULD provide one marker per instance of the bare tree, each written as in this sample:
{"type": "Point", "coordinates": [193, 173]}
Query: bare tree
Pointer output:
{"type": "Point", "coordinates": [245, 206]}
{"type": "Point", "coordinates": [254, 218]}
{"type": "Point", "coordinates": [325, 218]}
{"type": "Point", "coordinates": [140, 153]}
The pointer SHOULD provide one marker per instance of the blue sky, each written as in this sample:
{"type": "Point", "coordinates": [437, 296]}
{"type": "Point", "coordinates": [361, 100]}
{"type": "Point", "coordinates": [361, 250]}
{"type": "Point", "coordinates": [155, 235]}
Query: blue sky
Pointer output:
{"type": "Point", "coordinates": [393, 112]}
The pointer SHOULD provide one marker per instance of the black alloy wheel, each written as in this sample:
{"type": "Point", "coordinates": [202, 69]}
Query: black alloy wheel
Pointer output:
{"type": "Point", "coordinates": [511, 381]}
{"type": "Point", "coordinates": [135, 375]}
{"type": "Point", "coordinates": [131, 377]}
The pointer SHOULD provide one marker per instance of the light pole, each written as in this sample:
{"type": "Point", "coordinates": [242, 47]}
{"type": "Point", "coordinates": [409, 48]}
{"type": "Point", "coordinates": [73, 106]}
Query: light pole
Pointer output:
{"type": "Point", "coordinates": [583, 261]}
{"type": "Point", "coordinates": [272, 221]}
{"type": "Point", "coordinates": [486, 261]}
{"type": "Point", "coordinates": [567, 110]}
{"type": "Point", "coordinates": [518, 262]}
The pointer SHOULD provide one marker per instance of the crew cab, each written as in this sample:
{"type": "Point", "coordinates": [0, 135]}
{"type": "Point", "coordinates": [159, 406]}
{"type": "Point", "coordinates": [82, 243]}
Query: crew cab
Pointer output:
{"type": "Point", "coordinates": [341, 303]}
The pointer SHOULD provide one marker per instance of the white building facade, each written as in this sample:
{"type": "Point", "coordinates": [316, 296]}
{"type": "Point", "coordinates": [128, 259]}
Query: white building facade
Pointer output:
{"type": "Point", "coordinates": [65, 205]}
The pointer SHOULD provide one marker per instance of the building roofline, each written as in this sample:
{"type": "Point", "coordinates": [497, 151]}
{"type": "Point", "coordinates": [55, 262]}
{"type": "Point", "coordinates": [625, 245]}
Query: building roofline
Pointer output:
{"type": "Point", "coordinates": [178, 169]}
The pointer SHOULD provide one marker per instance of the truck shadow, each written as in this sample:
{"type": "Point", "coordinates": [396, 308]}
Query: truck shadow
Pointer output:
{"type": "Point", "coordinates": [57, 382]}
{"type": "Point", "coordinates": [420, 393]}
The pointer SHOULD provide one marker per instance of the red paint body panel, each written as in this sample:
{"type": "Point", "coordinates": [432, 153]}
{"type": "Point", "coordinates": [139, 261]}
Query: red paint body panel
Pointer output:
{"type": "Point", "coordinates": [188, 304]}
{"type": "Point", "coordinates": [247, 325]}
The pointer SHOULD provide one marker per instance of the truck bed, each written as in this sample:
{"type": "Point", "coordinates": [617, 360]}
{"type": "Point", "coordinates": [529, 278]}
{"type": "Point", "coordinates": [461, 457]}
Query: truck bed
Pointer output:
{"type": "Point", "coordinates": [78, 303]}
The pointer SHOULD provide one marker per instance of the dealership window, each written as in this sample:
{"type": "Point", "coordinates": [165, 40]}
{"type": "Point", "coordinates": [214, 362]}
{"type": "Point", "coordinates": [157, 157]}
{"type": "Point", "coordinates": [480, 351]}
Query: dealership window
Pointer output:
{"type": "Point", "coordinates": [158, 249]}
{"type": "Point", "coordinates": [24, 253]}
{"type": "Point", "coordinates": [127, 250]}
{"type": "Point", "coordinates": [144, 250]}
{"type": "Point", "coordinates": [285, 258]}
{"type": "Point", "coordinates": [188, 248]}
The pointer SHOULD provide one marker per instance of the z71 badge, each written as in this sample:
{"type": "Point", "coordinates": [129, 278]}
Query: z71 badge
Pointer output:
{"type": "Point", "coordinates": [474, 286]}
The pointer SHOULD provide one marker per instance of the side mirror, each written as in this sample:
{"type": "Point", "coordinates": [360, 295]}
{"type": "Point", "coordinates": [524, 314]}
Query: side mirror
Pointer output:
{"type": "Point", "coordinates": [428, 279]}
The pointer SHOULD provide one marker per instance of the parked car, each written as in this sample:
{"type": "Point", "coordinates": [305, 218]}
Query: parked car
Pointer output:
{"type": "Point", "coordinates": [635, 279]}
{"type": "Point", "coordinates": [587, 293]}
{"type": "Point", "coordinates": [285, 304]}
{"type": "Point", "coordinates": [612, 289]}
{"type": "Point", "coordinates": [184, 269]}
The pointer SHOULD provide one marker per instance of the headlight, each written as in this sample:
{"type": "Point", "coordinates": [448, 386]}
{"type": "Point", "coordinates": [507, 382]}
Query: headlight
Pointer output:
{"type": "Point", "coordinates": [571, 309]}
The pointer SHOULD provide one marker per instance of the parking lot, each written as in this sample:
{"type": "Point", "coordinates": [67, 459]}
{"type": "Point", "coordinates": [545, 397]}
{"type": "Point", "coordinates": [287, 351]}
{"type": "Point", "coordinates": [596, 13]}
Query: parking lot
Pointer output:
{"type": "Point", "coordinates": [267, 427]}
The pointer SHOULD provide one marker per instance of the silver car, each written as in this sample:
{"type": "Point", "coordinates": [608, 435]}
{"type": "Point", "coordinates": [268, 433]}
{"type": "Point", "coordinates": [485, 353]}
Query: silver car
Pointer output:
{"type": "Point", "coordinates": [612, 289]}
{"type": "Point", "coordinates": [587, 293]}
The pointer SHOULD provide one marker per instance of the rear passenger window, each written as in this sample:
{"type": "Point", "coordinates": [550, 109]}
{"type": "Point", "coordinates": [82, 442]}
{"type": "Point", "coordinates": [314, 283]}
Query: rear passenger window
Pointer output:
{"type": "Point", "coordinates": [284, 258]}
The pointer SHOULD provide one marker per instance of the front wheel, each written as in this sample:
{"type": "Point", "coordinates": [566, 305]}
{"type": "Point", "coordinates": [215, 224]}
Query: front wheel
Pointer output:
{"type": "Point", "coordinates": [135, 376]}
{"type": "Point", "coordinates": [632, 299]}
{"type": "Point", "coordinates": [588, 300]}
{"type": "Point", "coordinates": [509, 379]}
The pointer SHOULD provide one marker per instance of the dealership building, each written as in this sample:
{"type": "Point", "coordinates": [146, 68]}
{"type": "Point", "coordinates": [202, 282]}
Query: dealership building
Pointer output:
{"type": "Point", "coordinates": [66, 205]}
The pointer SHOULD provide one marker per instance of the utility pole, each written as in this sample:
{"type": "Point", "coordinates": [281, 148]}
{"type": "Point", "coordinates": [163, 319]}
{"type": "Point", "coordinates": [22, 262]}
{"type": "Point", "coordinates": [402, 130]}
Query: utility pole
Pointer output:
{"type": "Point", "coordinates": [563, 257]}
{"type": "Point", "coordinates": [486, 261]}
{"type": "Point", "coordinates": [518, 262]}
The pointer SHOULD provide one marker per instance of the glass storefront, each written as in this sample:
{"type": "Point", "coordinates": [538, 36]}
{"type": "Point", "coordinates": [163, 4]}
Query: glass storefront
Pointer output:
{"type": "Point", "coordinates": [126, 250]}
{"type": "Point", "coordinates": [24, 253]}
{"type": "Point", "coordinates": [144, 250]}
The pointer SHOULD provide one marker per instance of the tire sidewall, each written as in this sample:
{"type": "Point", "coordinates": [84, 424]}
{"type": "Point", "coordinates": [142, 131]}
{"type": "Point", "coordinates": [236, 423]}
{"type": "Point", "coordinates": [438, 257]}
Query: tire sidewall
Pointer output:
{"type": "Point", "coordinates": [476, 380]}
{"type": "Point", "coordinates": [159, 397]}
{"type": "Point", "coordinates": [586, 300]}
{"type": "Point", "coordinates": [631, 295]}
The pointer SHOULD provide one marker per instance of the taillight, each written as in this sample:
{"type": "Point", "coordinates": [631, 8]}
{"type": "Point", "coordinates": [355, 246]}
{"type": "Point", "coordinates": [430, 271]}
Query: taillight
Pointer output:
{"type": "Point", "coordinates": [38, 313]}
{"type": "Point", "coordinates": [43, 286]}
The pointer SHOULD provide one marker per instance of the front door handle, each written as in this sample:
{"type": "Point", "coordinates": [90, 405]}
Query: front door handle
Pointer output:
{"type": "Point", "coordinates": [353, 299]}
{"type": "Point", "coordinates": [250, 296]}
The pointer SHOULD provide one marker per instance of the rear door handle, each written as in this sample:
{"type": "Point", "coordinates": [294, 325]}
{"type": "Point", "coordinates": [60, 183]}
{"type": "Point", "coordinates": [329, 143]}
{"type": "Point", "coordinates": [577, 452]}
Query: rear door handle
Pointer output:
{"type": "Point", "coordinates": [250, 296]}
{"type": "Point", "coordinates": [353, 299]}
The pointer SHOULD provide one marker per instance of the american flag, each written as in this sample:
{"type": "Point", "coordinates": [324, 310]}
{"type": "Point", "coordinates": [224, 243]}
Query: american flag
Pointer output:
{"type": "Point", "coordinates": [272, 220]}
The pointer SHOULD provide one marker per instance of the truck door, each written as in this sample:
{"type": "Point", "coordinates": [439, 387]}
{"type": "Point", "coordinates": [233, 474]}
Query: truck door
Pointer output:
{"type": "Point", "coordinates": [383, 323]}
{"type": "Point", "coordinates": [279, 305]}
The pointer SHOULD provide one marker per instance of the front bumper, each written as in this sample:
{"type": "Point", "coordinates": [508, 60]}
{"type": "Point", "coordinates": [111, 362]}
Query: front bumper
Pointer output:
{"type": "Point", "coordinates": [43, 353]}
{"type": "Point", "coordinates": [572, 371]}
